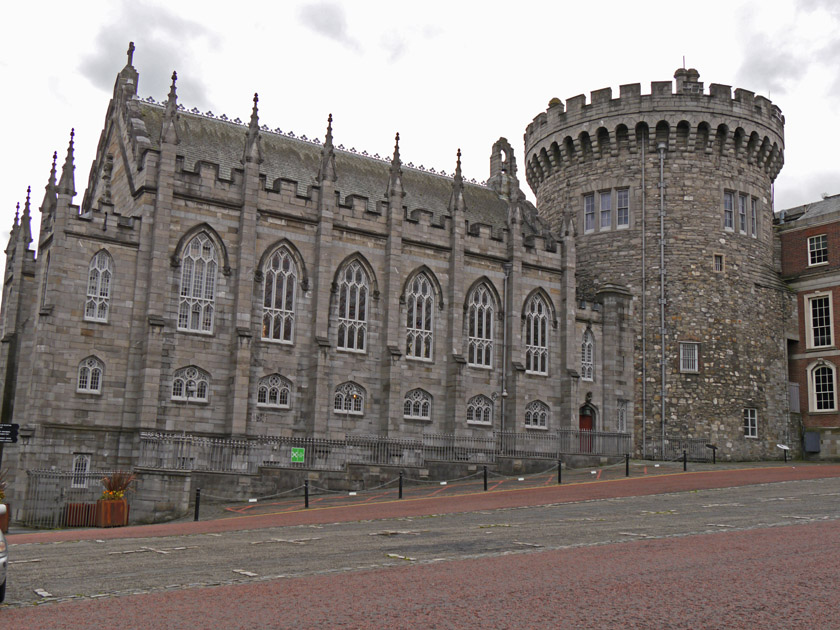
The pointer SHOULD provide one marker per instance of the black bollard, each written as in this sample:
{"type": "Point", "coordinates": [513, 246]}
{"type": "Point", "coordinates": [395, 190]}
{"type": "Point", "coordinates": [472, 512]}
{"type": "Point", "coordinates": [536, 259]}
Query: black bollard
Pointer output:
{"type": "Point", "coordinates": [401, 482]}
{"type": "Point", "coordinates": [685, 461]}
{"type": "Point", "coordinates": [306, 493]}
{"type": "Point", "coordinates": [627, 464]}
{"type": "Point", "coordinates": [485, 479]}
{"type": "Point", "coordinates": [559, 471]}
{"type": "Point", "coordinates": [197, 502]}
{"type": "Point", "coordinates": [785, 452]}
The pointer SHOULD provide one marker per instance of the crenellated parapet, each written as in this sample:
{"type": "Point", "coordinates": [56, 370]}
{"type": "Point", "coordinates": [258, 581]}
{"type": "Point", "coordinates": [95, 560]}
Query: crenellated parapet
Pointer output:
{"type": "Point", "coordinates": [709, 125]}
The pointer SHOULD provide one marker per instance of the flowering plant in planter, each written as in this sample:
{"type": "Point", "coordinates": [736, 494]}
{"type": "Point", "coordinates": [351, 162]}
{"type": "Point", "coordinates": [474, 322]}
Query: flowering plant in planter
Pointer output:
{"type": "Point", "coordinates": [117, 485]}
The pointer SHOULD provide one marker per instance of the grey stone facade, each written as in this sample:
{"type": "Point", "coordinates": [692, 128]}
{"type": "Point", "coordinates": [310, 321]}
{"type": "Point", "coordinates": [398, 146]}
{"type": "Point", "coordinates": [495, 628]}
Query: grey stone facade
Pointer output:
{"type": "Point", "coordinates": [172, 192]}
{"type": "Point", "coordinates": [686, 181]}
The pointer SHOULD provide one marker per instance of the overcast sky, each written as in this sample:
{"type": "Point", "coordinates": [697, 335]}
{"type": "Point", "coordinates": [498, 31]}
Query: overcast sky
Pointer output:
{"type": "Point", "coordinates": [444, 74]}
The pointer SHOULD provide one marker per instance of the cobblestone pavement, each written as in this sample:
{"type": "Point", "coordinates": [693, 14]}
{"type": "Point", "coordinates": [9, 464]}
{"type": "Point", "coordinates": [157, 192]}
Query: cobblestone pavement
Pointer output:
{"type": "Point", "coordinates": [613, 553]}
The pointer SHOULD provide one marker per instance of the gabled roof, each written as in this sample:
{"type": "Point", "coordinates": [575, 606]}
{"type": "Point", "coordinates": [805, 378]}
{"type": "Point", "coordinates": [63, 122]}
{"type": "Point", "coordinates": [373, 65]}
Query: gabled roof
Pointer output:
{"type": "Point", "coordinates": [816, 211]}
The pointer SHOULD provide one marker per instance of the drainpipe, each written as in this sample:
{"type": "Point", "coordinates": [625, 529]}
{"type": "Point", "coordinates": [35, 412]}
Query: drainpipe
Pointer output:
{"type": "Point", "coordinates": [644, 313]}
{"type": "Point", "coordinates": [661, 146]}
{"type": "Point", "coordinates": [507, 267]}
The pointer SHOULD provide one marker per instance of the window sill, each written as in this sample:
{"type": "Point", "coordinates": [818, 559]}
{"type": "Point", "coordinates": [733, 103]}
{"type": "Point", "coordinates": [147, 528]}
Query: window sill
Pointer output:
{"type": "Point", "coordinates": [529, 427]}
{"type": "Point", "coordinates": [543, 374]}
{"type": "Point", "coordinates": [95, 321]}
{"type": "Point", "coordinates": [352, 350]}
{"type": "Point", "coordinates": [280, 342]}
{"type": "Point", "coordinates": [480, 366]}
{"type": "Point", "coordinates": [348, 413]}
{"type": "Point", "coordinates": [273, 407]}
{"type": "Point", "coordinates": [408, 357]}
{"type": "Point", "coordinates": [819, 264]}
{"type": "Point", "coordinates": [85, 392]}
{"type": "Point", "coordinates": [416, 419]}
{"type": "Point", "coordinates": [473, 423]}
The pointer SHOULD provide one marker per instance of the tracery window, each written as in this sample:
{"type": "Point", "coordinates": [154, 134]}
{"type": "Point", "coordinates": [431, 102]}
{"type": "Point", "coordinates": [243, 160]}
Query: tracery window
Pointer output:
{"type": "Point", "coordinates": [419, 302]}
{"type": "Point", "coordinates": [274, 391]}
{"type": "Point", "coordinates": [191, 384]}
{"type": "Point", "coordinates": [279, 293]}
{"type": "Point", "coordinates": [198, 285]}
{"type": "Point", "coordinates": [352, 308]}
{"type": "Point", "coordinates": [418, 405]}
{"type": "Point", "coordinates": [621, 420]}
{"type": "Point", "coordinates": [479, 410]}
{"type": "Point", "coordinates": [99, 287]}
{"type": "Point", "coordinates": [90, 376]}
{"type": "Point", "coordinates": [480, 327]}
{"type": "Point", "coordinates": [536, 415]}
{"type": "Point", "coordinates": [587, 356]}
{"type": "Point", "coordinates": [349, 399]}
{"type": "Point", "coordinates": [81, 468]}
{"type": "Point", "coordinates": [536, 336]}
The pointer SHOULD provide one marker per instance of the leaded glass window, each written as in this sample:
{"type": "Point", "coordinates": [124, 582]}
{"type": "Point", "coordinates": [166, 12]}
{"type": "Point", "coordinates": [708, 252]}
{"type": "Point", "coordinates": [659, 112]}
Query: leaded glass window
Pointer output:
{"type": "Point", "coordinates": [536, 336]}
{"type": "Point", "coordinates": [480, 410]}
{"type": "Point", "coordinates": [418, 405]}
{"type": "Point", "coordinates": [199, 266]}
{"type": "Point", "coordinates": [274, 391]}
{"type": "Point", "coordinates": [587, 356]}
{"type": "Point", "coordinates": [90, 376]}
{"type": "Point", "coordinates": [349, 399]}
{"type": "Point", "coordinates": [420, 308]}
{"type": "Point", "coordinates": [279, 293]}
{"type": "Point", "coordinates": [480, 327]}
{"type": "Point", "coordinates": [99, 287]}
{"type": "Point", "coordinates": [536, 415]}
{"type": "Point", "coordinates": [191, 384]}
{"type": "Point", "coordinates": [353, 295]}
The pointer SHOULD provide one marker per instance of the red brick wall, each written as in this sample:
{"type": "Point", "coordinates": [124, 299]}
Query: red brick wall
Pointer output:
{"type": "Point", "coordinates": [795, 248]}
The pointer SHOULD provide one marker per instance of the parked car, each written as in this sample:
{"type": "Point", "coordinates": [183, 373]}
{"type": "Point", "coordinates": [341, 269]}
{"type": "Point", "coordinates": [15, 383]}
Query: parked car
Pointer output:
{"type": "Point", "coordinates": [4, 558]}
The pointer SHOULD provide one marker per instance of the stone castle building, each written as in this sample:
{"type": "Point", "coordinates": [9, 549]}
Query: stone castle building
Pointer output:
{"type": "Point", "coordinates": [670, 194]}
{"type": "Point", "coordinates": [224, 280]}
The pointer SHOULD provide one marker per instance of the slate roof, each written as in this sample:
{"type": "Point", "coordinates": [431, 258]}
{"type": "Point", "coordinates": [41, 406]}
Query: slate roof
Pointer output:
{"type": "Point", "coordinates": [814, 210]}
{"type": "Point", "coordinates": [221, 142]}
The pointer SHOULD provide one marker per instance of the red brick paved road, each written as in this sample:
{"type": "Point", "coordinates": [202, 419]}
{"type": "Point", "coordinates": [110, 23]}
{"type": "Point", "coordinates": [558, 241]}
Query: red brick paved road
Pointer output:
{"type": "Point", "coordinates": [779, 577]}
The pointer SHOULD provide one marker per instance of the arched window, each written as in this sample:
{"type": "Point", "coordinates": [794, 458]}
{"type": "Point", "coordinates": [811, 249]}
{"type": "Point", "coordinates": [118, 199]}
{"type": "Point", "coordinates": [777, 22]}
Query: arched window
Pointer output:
{"type": "Point", "coordinates": [99, 287]}
{"type": "Point", "coordinates": [536, 336]}
{"type": "Point", "coordinates": [480, 327]}
{"type": "Point", "coordinates": [90, 376]}
{"type": "Point", "coordinates": [349, 399]}
{"type": "Point", "coordinates": [419, 302]}
{"type": "Point", "coordinates": [191, 384]}
{"type": "Point", "coordinates": [353, 293]}
{"type": "Point", "coordinates": [279, 292]}
{"type": "Point", "coordinates": [418, 405]}
{"type": "Point", "coordinates": [822, 386]}
{"type": "Point", "coordinates": [479, 410]}
{"type": "Point", "coordinates": [587, 356]}
{"type": "Point", "coordinates": [274, 391]}
{"type": "Point", "coordinates": [198, 285]}
{"type": "Point", "coordinates": [536, 415]}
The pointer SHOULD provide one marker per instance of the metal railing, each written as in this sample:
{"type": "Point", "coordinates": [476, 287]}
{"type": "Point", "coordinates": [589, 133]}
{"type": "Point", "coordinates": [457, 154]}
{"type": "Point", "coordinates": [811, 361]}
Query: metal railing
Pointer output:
{"type": "Point", "coordinates": [61, 499]}
{"type": "Point", "coordinates": [695, 448]}
{"type": "Point", "coordinates": [172, 451]}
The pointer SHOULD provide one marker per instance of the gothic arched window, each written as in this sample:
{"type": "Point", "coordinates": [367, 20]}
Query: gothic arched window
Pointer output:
{"type": "Point", "coordinates": [349, 399]}
{"type": "Point", "coordinates": [191, 384]}
{"type": "Point", "coordinates": [418, 405]}
{"type": "Point", "coordinates": [587, 356]}
{"type": "Point", "coordinates": [99, 287]}
{"type": "Point", "coordinates": [90, 376]}
{"type": "Point", "coordinates": [353, 294]}
{"type": "Point", "coordinates": [279, 292]}
{"type": "Point", "coordinates": [536, 415]}
{"type": "Point", "coordinates": [536, 336]}
{"type": "Point", "coordinates": [480, 327]}
{"type": "Point", "coordinates": [274, 391]}
{"type": "Point", "coordinates": [420, 308]}
{"type": "Point", "coordinates": [480, 410]}
{"type": "Point", "coordinates": [198, 285]}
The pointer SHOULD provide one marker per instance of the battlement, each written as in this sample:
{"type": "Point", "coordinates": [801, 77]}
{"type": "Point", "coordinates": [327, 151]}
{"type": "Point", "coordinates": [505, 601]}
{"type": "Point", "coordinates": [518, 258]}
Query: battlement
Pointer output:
{"type": "Point", "coordinates": [743, 126]}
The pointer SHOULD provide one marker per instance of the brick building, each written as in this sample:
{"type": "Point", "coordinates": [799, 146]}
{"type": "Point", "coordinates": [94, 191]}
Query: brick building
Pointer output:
{"type": "Point", "coordinates": [809, 237]}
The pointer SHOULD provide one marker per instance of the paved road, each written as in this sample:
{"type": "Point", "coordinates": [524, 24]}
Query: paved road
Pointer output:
{"type": "Point", "coordinates": [541, 554]}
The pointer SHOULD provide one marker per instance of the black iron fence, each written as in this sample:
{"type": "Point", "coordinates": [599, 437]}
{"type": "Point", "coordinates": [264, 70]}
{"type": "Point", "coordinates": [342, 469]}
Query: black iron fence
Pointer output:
{"type": "Point", "coordinates": [174, 451]}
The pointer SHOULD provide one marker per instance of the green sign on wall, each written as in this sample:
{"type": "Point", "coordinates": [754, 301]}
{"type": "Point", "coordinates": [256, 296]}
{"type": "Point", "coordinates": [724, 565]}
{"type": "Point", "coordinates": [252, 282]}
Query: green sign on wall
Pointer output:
{"type": "Point", "coordinates": [298, 455]}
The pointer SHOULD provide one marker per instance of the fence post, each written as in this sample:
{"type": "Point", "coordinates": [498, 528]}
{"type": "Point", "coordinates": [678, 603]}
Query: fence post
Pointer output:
{"type": "Point", "coordinates": [197, 502]}
{"type": "Point", "coordinates": [627, 464]}
{"type": "Point", "coordinates": [485, 479]}
{"type": "Point", "coordinates": [685, 461]}
{"type": "Point", "coordinates": [401, 482]}
{"type": "Point", "coordinates": [559, 471]}
{"type": "Point", "coordinates": [306, 493]}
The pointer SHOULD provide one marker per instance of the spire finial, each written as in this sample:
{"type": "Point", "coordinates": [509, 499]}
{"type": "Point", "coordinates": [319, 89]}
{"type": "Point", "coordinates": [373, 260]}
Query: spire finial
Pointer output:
{"type": "Point", "coordinates": [17, 213]}
{"type": "Point", "coordinates": [130, 53]}
{"type": "Point", "coordinates": [253, 151]}
{"type": "Point", "coordinates": [168, 130]}
{"type": "Point", "coordinates": [458, 177]}
{"type": "Point", "coordinates": [395, 182]}
{"type": "Point", "coordinates": [172, 90]}
{"type": "Point", "coordinates": [255, 115]}
{"type": "Point", "coordinates": [327, 170]}
{"type": "Point", "coordinates": [26, 222]}
{"type": "Point", "coordinates": [396, 158]}
{"type": "Point", "coordinates": [456, 201]}
{"type": "Point", "coordinates": [52, 170]}
{"type": "Point", "coordinates": [67, 185]}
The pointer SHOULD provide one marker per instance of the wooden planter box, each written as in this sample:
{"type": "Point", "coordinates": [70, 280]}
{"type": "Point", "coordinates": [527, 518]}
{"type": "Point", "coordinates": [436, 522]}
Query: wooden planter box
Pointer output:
{"type": "Point", "coordinates": [112, 513]}
{"type": "Point", "coordinates": [5, 518]}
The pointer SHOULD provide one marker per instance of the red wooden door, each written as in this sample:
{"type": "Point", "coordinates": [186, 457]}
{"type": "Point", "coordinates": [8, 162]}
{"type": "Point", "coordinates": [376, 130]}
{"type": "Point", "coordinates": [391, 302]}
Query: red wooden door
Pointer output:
{"type": "Point", "coordinates": [585, 433]}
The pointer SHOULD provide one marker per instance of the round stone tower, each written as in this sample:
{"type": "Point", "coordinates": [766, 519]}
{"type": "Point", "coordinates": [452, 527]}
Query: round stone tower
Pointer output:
{"type": "Point", "coordinates": [670, 194]}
